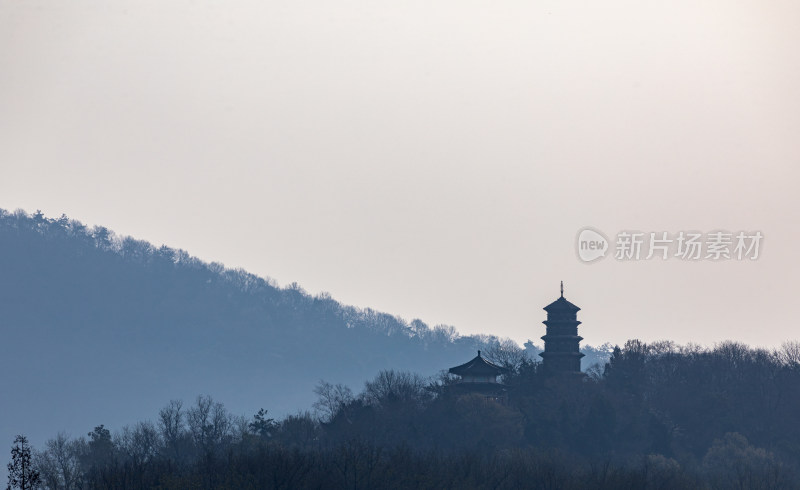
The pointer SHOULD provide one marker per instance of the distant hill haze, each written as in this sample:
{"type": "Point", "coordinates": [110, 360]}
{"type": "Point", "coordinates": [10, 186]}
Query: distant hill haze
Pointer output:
{"type": "Point", "coordinates": [101, 329]}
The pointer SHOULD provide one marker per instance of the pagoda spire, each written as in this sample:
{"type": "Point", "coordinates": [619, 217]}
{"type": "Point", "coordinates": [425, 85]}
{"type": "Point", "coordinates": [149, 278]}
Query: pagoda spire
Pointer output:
{"type": "Point", "coordinates": [562, 289]}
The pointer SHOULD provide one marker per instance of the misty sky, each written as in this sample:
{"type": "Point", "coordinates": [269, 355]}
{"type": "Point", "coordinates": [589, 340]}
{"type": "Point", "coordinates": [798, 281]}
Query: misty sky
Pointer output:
{"type": "Point", "coordinates": [430, 159]}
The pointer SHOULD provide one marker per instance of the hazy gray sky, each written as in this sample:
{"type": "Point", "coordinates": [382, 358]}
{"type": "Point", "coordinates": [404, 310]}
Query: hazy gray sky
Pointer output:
{"type": "Point", "coordinates": [429, 159]}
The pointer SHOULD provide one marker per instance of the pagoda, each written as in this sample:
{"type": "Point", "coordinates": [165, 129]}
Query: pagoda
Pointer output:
{"type": "Point", "coordinates": [561, 342]}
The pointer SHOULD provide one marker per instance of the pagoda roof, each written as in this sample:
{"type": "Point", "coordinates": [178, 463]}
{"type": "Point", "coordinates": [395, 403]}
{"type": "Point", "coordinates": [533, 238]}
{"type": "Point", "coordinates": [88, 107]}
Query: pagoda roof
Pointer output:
{"type": "Point", "coordinates": [561, 304]}
{"type": "Point", "coordinates": [478, 366]}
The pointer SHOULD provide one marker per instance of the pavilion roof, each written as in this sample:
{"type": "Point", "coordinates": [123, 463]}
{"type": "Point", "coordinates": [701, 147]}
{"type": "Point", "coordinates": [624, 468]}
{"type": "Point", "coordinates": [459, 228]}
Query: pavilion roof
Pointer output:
{"type": "Point", "coordinates": [479, 366]}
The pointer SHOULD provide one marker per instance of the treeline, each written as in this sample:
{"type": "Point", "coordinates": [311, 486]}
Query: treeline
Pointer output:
{"type": "Point", "coordinates": [656, 416]}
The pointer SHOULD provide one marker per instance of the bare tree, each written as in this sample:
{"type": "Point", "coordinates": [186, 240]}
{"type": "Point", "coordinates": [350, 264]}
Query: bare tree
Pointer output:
{"type": "Point", "coordinates": [396, 386]}
{"type": "Point", "coordinates": [59, 464]}
{"type": "Point", "coordinates": [171, 425]}
{"type": "Point", "coordinates": [506, 353]}
{"type": "Point", "coordinates": [444, 333]}
{"type": "Point", "coordinates": [140, 443]}
{"type": "Point", "coordinates": [790, 354]}
{"type": "Point", "coordinates": [332, 399]}
{"type": "Point", "coordinates": [209, 423]}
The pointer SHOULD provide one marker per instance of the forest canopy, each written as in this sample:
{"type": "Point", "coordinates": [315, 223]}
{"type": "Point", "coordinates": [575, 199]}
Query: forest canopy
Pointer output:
{"type": "Point", "coordinates": [656, 416]}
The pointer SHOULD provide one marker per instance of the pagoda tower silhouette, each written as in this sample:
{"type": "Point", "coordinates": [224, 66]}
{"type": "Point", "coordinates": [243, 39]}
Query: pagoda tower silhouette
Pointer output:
{"type": "Point", "coordinates": [561, 341]}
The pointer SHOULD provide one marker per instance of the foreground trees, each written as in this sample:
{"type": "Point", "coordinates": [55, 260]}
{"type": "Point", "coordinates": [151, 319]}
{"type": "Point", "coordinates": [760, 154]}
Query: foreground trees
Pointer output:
{"type": "Point", "coordinates": [657, 416]}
